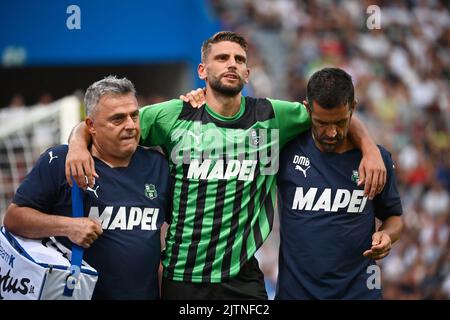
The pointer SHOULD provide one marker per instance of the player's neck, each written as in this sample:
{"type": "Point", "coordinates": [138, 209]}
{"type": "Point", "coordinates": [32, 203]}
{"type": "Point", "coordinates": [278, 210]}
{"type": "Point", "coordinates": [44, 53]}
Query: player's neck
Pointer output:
{"type": "Point", "coordinates": [345, 146]}
{"type": "Point", "coordinates": [109, 160]}
{"type": "Point", "coordinates": [224, 105]}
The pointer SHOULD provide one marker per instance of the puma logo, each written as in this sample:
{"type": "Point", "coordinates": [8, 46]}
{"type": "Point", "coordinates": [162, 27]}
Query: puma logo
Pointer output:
{"type": "Point", "coordinates": [297, 167]}
{"type": "Point", "coordinates": [51, 157]}
{"type": "Point", "coordinates": [94, 191]}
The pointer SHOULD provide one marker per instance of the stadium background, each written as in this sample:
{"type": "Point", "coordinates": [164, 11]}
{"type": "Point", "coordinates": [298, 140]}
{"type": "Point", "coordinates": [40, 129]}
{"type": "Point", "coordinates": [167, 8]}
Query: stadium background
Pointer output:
{"type": "Point", "coordinates": [401, 74]}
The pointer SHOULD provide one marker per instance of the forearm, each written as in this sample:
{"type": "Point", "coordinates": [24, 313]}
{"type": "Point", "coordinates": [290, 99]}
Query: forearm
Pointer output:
{"type": "Point", "coordinates": [393, 226]}
{"type": "Point", "coordinates": [80, 135]}
{"type": "Point", "coordinates": [360, 136]}
{"type": "Point", "coordinates": [30, 223]}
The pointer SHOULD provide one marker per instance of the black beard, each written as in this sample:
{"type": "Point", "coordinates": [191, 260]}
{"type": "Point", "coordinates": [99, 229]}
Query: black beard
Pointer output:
{"type": "Point", "coordinates": [340, 139]}
{"type": "Point", "coordinates": [226, 90]}
{"type": "Point", "coordinates": [331, 148]}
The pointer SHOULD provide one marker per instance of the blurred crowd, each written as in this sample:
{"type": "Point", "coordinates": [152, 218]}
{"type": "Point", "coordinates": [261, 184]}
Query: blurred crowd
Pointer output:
{"type": "Point", "coordinates": [401, 74]}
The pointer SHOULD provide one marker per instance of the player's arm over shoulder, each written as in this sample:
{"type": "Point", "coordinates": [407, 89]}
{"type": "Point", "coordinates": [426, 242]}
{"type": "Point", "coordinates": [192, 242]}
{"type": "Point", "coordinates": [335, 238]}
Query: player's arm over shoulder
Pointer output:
{"type": "Point", "coordinates": [387, 159]}
{"type": "Point", "coordinates": [292, 118]}
{"type": "Point", "coordinates": [157, 121]}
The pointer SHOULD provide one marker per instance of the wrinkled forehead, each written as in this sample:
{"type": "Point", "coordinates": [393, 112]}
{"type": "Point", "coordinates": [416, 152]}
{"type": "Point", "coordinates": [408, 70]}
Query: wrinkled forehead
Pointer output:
{"type": "Point", "coordinates": [117, 103]}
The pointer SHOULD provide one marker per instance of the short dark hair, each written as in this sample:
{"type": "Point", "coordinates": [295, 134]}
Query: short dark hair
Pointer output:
{"type": "Point", "coordinates": [223, 36]}
{"type": "Point", "coordinates": [330, 88]}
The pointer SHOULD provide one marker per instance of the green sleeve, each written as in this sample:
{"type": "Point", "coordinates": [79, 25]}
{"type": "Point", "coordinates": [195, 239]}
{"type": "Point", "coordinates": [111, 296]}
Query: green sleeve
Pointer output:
{"type": "Point", "coordinates": [292, 119]}
{"type": "Point", "coordinates": [157, 121]}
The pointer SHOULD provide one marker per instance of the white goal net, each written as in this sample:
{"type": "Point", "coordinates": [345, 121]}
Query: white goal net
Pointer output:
{"type": "Point", "coordinates": [25, 133]}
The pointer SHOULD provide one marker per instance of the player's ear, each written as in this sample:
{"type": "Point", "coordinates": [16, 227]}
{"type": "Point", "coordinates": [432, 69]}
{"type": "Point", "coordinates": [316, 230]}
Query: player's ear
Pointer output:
{"type": "Point", "coordinates": [89, 124]}
{"type": "Point", "coordinates": [247, 76]}
{"type": "Point", "coordinates": [201, 69]}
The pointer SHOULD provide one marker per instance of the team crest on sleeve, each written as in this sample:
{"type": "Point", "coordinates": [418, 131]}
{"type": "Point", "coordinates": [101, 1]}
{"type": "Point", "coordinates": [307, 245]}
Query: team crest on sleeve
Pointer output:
{"type": "Point", "coordinates": [301, 164]}
{"type": "Point", "coordinates": [150, 191]}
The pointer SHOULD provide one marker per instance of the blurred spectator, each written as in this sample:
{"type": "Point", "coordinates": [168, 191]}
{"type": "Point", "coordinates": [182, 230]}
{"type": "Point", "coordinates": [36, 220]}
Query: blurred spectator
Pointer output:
{"type": "Point", "coordinates": [15, 111]}
{"type": "Point", "coordinates": [17, 101]}
{"type": "Point", "coordinates": [436, 201]}
{"type": "Point", "coordinates": [45, 98]}
{"type": "Point", "coordinates": [156, 98]}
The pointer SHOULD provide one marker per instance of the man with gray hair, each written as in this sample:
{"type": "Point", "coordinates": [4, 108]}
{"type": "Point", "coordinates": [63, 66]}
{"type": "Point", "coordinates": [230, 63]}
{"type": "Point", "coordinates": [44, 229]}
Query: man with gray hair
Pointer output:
{"type": "Point", "coordinates": [124, 210]}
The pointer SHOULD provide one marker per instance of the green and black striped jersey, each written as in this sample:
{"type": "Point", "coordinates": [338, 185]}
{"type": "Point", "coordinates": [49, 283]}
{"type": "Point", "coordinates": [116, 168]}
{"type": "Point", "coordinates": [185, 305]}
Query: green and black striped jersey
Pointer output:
{"type": "Point", "coordinates": [223, 171]}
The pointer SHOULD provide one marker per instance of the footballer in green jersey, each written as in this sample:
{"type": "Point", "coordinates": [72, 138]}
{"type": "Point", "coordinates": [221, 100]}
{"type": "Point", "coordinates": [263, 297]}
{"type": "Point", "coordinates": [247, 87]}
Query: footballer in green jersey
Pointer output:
{"type": "Point", "coordinates": [223, 170]}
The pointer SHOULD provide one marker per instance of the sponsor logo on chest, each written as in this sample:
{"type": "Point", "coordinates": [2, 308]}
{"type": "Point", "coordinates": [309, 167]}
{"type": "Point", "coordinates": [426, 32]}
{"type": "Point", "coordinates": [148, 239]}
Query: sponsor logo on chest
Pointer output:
{"type": "Point", "coordinates": [342, 200]}
{"type": "Point", "coordinates": [126, 218]}
{"type": "Point", "coordinates": [209, 170]}
{"type": "Point", "coordinates": [302, 164]}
